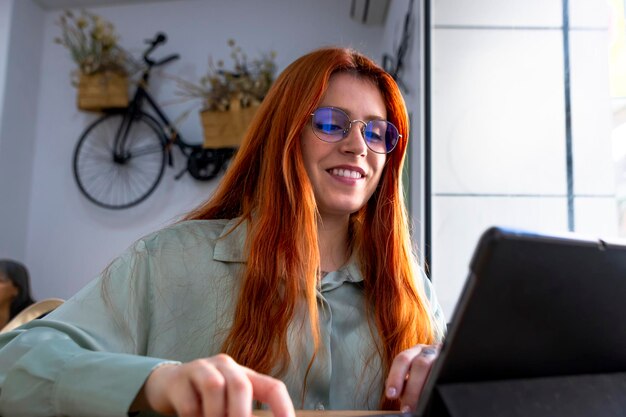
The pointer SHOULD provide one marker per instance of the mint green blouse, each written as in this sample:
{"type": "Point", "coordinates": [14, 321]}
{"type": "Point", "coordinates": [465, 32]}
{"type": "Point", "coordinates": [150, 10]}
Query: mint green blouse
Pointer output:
{"type": "Point", "coordinates": [171, 296]}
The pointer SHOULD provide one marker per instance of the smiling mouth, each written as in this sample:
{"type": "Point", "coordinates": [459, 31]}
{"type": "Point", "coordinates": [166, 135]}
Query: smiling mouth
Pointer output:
{"type": "Point", "coordinates": [346, 173]}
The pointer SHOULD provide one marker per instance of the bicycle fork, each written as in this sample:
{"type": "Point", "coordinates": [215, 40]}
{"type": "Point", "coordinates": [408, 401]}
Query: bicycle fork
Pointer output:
{"type": "Point", "coordinates": [119, 154]}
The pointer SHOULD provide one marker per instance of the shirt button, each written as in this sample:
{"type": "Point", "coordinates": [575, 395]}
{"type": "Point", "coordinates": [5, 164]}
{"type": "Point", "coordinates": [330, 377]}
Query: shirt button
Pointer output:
{"type": "Point", "coordinates": [319, 407]}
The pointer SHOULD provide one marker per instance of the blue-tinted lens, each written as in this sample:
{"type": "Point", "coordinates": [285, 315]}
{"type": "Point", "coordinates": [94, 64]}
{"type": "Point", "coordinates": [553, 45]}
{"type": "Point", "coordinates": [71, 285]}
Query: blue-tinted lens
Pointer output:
{"type": "Point", "coordinates": [381, 136]}
{"type": "Point", "coordinates": [332, 124]}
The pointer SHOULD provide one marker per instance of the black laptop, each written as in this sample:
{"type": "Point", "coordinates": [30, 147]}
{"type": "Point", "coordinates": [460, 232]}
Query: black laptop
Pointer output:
{"type": "Point", "coordinates": [539, 330]}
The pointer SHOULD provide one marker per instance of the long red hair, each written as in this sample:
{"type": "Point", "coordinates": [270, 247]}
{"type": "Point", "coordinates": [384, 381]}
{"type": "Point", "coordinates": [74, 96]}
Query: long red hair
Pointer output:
{"type": "Point", "coordinates": [267, 186]}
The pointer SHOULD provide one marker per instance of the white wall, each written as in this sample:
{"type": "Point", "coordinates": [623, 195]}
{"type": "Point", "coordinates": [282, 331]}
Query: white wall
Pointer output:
{"type": "Point", "coordinates": [69, 240]}
{"type": "Point", "coordinates": [499, 125]}
{"type": "Point", "coordinates": [18, 113]}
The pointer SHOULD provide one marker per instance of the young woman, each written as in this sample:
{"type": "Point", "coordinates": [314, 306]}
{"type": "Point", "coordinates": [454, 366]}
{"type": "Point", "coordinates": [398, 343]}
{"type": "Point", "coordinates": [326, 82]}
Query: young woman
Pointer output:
{"type": "Point", "coordinates": [294, 284]}
{"type": "Point", "coordinates": [14, 290]}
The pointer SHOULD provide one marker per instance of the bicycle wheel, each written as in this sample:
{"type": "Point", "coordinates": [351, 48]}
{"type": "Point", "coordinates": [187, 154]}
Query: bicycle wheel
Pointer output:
{"type": "Point", "coordinates": [122, 179]}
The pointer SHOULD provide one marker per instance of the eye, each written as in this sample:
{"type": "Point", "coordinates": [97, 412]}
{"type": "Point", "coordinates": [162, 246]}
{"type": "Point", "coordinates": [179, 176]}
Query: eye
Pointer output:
{"type": "Point", "coordinates": [375, 132]}
{"type": "Point", "coordinates": [372, 136]}
{"type": "Point", "coordinates": [331, 121]}
{"type": "Point", "coordinates": [329, 127]}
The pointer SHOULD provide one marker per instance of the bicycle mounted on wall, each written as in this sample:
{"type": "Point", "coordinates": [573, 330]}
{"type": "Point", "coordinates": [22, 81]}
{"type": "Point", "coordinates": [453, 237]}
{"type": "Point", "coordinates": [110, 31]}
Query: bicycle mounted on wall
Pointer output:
{"type": "Point", "coordinates": [120, 158]}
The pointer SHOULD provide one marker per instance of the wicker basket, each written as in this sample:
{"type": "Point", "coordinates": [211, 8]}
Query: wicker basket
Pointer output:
{"type": "Point", "coordinates": [225, 129]}
{"type": "Point", "coordinates": [107, 90]}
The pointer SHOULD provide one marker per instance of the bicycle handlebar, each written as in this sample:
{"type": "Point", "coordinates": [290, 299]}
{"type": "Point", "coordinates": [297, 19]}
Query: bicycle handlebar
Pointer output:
{"type": "Point", "coordinates": [167, 59]}
{"type": "Point", "coordinates": [159, 38]}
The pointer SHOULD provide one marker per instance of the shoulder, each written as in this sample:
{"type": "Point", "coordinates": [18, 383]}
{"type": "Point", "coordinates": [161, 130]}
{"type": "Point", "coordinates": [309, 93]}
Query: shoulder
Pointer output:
{"type": "Point", "coordinates": [187, 252]}
{"type": "Point", "coordinates": [425, 282]}
{"type": "Point", "coordinates": [187, 236]}
{"type": "Point", "coordinates": [175, 249]}
{"type": "Point", "coordinates": [187, 232]}
{"type": "Point", "coordinates": [438, 318]}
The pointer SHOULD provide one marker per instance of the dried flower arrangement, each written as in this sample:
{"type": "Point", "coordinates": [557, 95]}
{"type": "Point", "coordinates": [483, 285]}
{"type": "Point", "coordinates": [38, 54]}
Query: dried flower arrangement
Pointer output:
{"type": "Point", "coordinates": [93, 43]}
{"type": "Point", "coordinates": [103, 66]}
{"type": "Point", "coordinates": [247, 82]}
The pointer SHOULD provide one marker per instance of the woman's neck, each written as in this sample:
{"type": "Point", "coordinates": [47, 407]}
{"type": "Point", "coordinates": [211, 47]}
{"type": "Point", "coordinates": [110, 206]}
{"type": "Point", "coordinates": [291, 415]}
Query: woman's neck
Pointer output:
{"type": "Point", "coordinates": [333, 242]}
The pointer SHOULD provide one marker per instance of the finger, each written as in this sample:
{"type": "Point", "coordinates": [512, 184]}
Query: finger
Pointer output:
{"type": "Point", "coordinates": [271, 392]}
{"type": "Point", "coordinates": [238, 387]}
{"type": "Point", "coordinates": [399, 369]}
{"type": "Point", "coordinates": [184, 399]}
{"type": "Point", "coordinates": [420, 368]}
{"type": "Point", "coordinates": [210, 385]}
{"type": "Point", "coordinates": [167, 391]}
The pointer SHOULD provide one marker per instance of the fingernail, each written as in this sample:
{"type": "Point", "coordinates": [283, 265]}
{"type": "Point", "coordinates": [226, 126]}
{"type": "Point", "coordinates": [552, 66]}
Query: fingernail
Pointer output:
{"type": "Point", "coordinates": [405, 409]}
{"type": "Point", "coordinates": [391, 392]}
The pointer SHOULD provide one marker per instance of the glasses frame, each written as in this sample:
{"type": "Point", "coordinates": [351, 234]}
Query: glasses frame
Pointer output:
{"type": "Point", "coordinates": [346, 132]}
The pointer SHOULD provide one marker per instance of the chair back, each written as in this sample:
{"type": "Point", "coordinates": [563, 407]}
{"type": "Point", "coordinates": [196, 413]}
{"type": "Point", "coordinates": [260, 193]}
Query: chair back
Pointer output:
{"type": "Point", "coordinates": [33, 311]}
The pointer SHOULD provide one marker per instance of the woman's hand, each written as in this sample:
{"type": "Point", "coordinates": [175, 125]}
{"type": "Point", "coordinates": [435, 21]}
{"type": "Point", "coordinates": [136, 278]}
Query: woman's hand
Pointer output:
{"type": "Point", "coordinates": [408, 373]}
{"type": "Point", "coordinates": [212, 387]}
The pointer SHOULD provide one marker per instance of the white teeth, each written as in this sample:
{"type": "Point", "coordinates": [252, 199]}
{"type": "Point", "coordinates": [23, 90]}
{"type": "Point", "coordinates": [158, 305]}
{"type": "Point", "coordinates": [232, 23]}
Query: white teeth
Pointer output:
{"type": "Point", "coordinates": [346, 173]}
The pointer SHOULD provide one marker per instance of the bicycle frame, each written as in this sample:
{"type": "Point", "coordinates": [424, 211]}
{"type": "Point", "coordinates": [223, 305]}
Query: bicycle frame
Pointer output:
{"type": "Point", "coordinates": [198, 158]}
{"type": "Point", "coordinates": [170, 134]}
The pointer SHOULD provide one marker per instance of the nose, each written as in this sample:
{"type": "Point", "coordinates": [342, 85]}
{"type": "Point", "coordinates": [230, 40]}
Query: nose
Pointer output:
{"type": "Point", "coordinates": [354, 142]}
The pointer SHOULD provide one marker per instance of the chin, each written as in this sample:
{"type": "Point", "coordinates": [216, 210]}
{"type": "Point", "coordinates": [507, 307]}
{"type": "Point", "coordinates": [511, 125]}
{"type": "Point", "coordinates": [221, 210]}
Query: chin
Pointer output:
{"type": "Point", "coordinates": [344, 209]}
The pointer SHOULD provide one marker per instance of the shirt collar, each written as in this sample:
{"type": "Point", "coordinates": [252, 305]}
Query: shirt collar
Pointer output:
{"type": "Point", "coordinates": [230, 246]}
{"type": "Point", "coordinates": [348, 273]}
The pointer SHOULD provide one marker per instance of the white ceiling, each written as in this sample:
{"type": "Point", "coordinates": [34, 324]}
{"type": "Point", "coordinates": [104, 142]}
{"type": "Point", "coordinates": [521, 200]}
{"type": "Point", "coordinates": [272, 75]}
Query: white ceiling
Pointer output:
{"type": "Point", "coordinates": [86, 4]}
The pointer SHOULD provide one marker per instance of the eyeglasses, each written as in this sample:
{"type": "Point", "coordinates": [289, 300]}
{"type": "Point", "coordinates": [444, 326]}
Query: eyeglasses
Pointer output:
{"type": "Point", "coordinates": [331, 124]}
